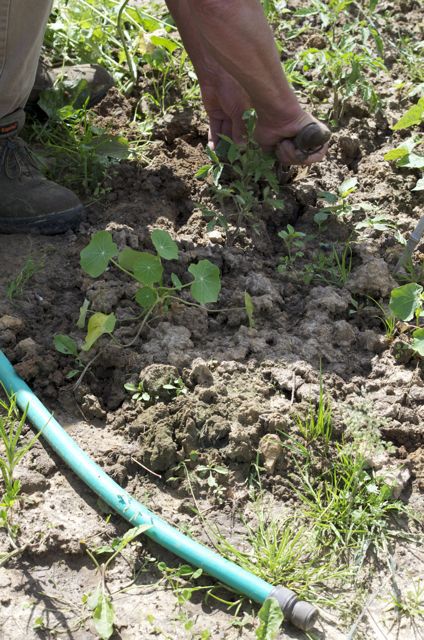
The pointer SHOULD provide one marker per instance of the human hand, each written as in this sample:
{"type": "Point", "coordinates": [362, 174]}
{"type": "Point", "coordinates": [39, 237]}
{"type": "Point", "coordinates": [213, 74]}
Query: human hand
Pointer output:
{"type": "Point", "coordinates": [225, 102]}
{"type": "Point", "coordinates": [283, 138]}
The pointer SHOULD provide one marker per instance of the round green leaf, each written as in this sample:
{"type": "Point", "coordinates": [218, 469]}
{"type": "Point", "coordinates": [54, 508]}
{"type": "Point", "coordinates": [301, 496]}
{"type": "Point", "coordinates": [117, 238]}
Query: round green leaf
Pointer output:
{"type": "Point", "coordinates": [164, 244]}
{"type": "Point", "coordinates": [128, 258]}
{"type": "Point", "coordinates": [207, 282]}
{"type": "Point", "coordinates": [95, 257]}
{"type": "Point", "coordinates": [418, 341]}
{"type": "Point", "coordinates": [148, 269]}
{"type": "Point", "coordinates": [98, 324]}
{"type": "Point", "coordinates": [405, 300]}
{"type": "Point", "coordinates": [146, 297]}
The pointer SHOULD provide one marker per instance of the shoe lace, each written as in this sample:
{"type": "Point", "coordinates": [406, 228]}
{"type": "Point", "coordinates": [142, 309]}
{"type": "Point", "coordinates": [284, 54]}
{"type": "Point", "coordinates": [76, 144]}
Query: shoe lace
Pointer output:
{"type": "Point", "coordinates": [15, 158]}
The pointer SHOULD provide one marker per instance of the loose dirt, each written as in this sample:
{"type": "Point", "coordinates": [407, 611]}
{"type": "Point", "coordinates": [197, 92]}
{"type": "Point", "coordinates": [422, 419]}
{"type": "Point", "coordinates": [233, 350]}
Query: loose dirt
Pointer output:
{"type": "Point", "coordinates": [242, 383]}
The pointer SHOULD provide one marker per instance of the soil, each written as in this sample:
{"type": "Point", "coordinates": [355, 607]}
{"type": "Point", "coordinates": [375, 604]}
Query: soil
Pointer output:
{"type": "Point", "coordinates": [243, 384]}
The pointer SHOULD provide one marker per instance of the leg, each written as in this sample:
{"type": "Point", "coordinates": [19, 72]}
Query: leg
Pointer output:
{"type": "Point", "coordinates": [28, 201]}
{"type": "Point", "coordinates": [22, 25]}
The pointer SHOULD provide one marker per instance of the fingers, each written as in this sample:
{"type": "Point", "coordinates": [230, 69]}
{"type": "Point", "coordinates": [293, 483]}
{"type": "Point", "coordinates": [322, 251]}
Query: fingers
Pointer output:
{"type": "Point", "coordinates": [233, 129]}
{"type": "Point", "coordinates": [215, 128]}
{"type": "Point", "coordinates": [288, 154]}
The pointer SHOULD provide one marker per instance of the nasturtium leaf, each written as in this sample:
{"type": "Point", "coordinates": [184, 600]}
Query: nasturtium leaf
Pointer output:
{"type": "Point", "coordinates": [148, 269]}
{"type": "Point", "coordinates": [405, 300]}
{"type": "Point", "coordinates": [98, 324]}
{"type": "Point", "coordinates": [271, 618]}
{"type": "Point", "coordinates": [104, 616]}
{"type": "Point", "coordinates": [207, 282]}
{"type": "Point", "coordinates": [413, 116]}
{"type": "Point", "coordinates": [165, 246]}
{"type": "Point", "coordinates": [248, 305]}
{"type": "Point", "coordinates": [418, 341]}
{"type": "Point", "coordinates": [65, 344]}
{"type": "Point", "coordinates": [146, 297]}
{"type": "Point", "coordinates": [95, 257]}
{"type": "Point", "coordinates": [176, 281]}
{"type": "Point", "coordinates": [128, 258]}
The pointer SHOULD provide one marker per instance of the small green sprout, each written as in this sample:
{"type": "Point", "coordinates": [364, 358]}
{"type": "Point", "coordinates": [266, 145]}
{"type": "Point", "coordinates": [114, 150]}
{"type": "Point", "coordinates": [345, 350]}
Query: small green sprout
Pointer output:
{"type": "Point", "coordinates": [294, 242]}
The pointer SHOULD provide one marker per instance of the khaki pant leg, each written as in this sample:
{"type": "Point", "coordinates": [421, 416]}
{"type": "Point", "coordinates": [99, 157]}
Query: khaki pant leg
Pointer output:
{"type": "Point", "coordinates": [22, 26]}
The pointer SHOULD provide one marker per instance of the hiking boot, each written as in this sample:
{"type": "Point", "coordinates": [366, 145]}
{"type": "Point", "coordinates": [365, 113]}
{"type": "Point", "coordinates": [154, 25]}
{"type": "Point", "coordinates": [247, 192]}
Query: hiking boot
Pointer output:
{"type": "Point", "coordinates": [28, 201]}
{"type": "Point", "coordinates": [98, 80]}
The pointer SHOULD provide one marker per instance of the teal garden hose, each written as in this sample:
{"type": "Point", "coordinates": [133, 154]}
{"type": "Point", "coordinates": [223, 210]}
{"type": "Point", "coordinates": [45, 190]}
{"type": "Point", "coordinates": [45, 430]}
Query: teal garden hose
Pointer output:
{"type": "Point", "coordinates": [300, 614]}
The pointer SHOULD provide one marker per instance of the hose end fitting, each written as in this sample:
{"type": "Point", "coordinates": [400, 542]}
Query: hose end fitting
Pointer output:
{"type": "Point", "coordinates": [299, 613]}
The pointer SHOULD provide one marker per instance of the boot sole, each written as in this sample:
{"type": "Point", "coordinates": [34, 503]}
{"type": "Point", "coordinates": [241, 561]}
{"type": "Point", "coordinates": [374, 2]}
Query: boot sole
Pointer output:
{"type": "Point", "coordinates": [52, 224]}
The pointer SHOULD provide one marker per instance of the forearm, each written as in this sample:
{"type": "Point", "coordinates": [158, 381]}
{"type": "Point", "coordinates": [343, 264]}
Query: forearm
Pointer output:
{"type": "Point", "coordinates": [240, 39]}
{"type": "Point", "coordinates": [204, 63]}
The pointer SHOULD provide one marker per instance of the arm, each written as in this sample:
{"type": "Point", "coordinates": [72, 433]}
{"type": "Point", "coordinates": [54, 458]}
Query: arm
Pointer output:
{"type": "Point", "coordinates": [234, 54]}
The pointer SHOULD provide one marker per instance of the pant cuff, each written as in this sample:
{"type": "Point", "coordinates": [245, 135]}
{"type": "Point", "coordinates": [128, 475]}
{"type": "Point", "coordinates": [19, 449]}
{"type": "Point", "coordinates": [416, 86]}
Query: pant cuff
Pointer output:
{"type": "Point", "coordinates": [11, 124]}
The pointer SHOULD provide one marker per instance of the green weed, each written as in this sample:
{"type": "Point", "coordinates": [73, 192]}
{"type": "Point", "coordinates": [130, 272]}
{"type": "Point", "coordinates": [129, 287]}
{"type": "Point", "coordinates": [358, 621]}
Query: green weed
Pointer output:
{"type": "Point", "coordinates": [294, 242]}
{"type": "Point", "coordinates": [284, 552]}
{"type": "Point", "coordinates": [348, 61]}
{"type": "Point", "coordinates": [244, 179]}
{"type": "Point", "coordinates": [349, 507]}
{"type": "Point", "coordinates": [99, 602]}
{"type": "Point", "coordinates": [16, 287]}
{"type": "Point", "coordinates": [338, 204]}
{"type": "Point", "coordinates": [411, 603]}
{"type": "Point", "coordinates": [74, 151]}
{"type": "Point", "coordinates": [318, 424]}
{"type": "Point", "coordinates": [13, 448]}
{"type": "Point", "coordinates": [271, 618]}
{"type": "Point", "coordinates": [332, 268]}
{"type": "Point", "coordinates": [405, 154]}
{"type": "Point", "coordinates": [174, 388]}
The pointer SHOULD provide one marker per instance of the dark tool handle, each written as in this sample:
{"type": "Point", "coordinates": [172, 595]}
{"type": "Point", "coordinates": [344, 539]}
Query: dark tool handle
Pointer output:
{"type": "Point", "coordinates": [312, 138]}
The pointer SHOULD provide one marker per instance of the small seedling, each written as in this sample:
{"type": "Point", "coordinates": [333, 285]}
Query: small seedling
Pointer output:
{"type": "Point", "coordinates": [175, 388]}
{"type": "Point", "coordinates": [379, 222]}
{"type": "Point", "coordinates": [16, 287]}
{"type": "Point", "coordinates": [318, 425]}
{"type": "Point", "coordinates": [271, 618]}
{"type": "Point", "coordinates": [407, 304]}
{"type": "Point", "coordinates": [138, 394]}
{"type": "Point", "coordinates": [337, 203]}
{"type": "Point", "coordinates": [12, 450]}
{"type": "Point", "coordinates": [333, 268]}
{"type": "Point", "coordinates": [99, 602]}
{"type": "Point", "coordinates": [252, 183]}
{"type": "Point", "coordinates": [411, 604]}
{"type": "Point", "coordinates": [294, 242]}
{"type": "Point", "coordinates": [405, 154]}
{"type": "Point", "coordinates": [388, 320]}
